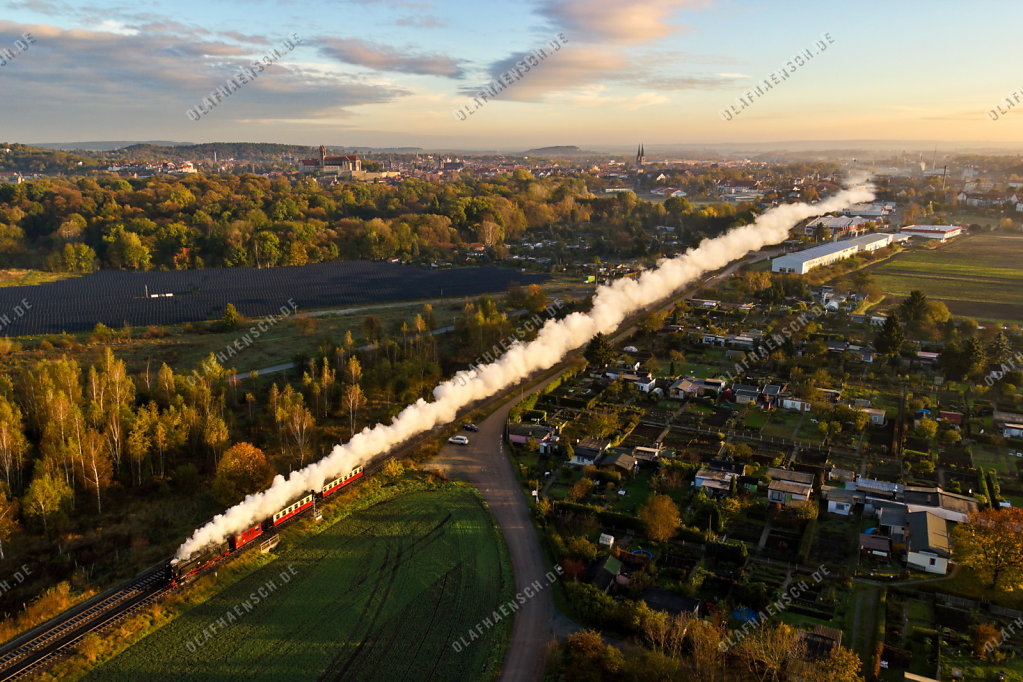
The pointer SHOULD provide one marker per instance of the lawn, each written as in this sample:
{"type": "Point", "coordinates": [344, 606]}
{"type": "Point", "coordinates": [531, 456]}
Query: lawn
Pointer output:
{"type": "Point", "coordinates": [986, 457]}
{"type": "Point", "coordinates": [977, 275]}
{"type": "Point", "coordinates": [381, 594]}
{"type": "Point", "coordinates": [781, 425]}
{"type": "Point", "coordinates": [755, 419]}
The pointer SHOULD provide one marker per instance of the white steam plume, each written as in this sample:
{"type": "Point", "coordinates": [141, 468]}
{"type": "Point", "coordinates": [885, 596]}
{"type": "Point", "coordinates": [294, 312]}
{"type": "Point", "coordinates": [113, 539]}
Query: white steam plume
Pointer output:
{"type": "Point", "coordinates": [611, 305]}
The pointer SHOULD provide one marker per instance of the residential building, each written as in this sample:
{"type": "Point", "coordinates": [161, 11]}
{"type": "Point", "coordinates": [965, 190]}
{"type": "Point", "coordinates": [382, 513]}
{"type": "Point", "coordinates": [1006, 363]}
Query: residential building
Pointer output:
{"type": "Point", "coordinates": [929, 548]}
{"type": "Point", "coordinates": [521, 434]}
{"type": "Point", "coordinates": [714, 482]}
{"type": "Point", "coordinates": [588, 449]}
{"type": "Point", "coordinates": [892, 521]}
{"type": "Point", "coordinates": [876, 414]}
{"type": "Point", "coordinates": [841, 501]}
{"type": "Point", "coordinates": [618, 461]}
{"type": "Point", "coordinates": [788, 493]}
{"type": "Point", "coordinates": [945, 505]}
{"type": "Point", "coordinates": [797, 404]}
{"type": "Point", "coordinates": [875, 546]}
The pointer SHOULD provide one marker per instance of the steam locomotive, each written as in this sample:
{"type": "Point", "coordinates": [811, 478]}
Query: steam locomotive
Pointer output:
{"type": "Point", "coordinates": [181, 571]}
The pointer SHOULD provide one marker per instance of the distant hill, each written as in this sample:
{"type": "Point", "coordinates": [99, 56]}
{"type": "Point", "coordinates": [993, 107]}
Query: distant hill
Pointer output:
{"type": "Point", "coordinates": [240, 151]}
{"type": "Point", "coordinates": [560, 150]}
{"type": "Point", "coordinates": [384, 150]}
{"type": "Point", "coordinates": [22, 158]}
{"type": "Point", "coordinates": [104, 146]}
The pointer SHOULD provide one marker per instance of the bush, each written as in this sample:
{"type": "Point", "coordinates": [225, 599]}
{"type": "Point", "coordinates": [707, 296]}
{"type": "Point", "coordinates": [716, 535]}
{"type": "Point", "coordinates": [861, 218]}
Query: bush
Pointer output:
{"type": "Point", "coordinates": [729, 550]}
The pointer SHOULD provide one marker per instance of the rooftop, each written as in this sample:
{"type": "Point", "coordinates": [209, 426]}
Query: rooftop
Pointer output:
{"type": "Point", "coordinates": [928, 533]}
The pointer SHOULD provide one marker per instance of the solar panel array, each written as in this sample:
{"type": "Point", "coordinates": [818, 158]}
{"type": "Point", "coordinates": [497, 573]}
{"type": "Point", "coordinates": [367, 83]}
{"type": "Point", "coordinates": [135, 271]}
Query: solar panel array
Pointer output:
{"type": "Point", "coordinates": [117, 298]}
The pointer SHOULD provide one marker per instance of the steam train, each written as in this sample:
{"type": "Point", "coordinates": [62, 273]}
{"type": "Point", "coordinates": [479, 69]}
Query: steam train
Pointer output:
{"type": "Point", "coordinates": [181, 571]}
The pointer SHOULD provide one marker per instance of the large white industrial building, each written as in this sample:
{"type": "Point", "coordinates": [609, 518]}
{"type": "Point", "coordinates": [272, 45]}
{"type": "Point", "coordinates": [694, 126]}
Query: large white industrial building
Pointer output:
{"type": "Point", "coordinates": [942, 232]}
{"type": "Point", "coordinates": [803, 262]}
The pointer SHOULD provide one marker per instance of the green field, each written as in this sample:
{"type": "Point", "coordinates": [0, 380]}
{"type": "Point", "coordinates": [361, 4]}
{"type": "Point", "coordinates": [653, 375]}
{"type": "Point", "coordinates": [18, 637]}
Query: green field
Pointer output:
{"type": "Point", "coordinates": [380, 595]}
{"type": "Point", "coordinates": [17, 278]}
{"type": "Point", "coordinates": [976, 276]}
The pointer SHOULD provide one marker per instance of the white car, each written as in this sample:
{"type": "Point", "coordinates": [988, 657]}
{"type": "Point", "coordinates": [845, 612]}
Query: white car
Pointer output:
{"type": "Point", "coordinates": [458, 440]}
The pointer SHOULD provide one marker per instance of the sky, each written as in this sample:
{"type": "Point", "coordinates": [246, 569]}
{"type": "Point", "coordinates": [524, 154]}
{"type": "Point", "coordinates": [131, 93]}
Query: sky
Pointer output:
{"type": "Point", "coordinates": [394, 74]}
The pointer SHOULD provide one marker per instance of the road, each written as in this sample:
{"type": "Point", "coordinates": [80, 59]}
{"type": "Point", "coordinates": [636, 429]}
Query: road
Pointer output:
{"type": "Point", "coordinates": [483, 464]}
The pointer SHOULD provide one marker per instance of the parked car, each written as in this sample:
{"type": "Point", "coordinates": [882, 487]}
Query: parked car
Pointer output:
{"type": "Point", "coordinates": [469, 426]}
{"type": "Point", "coordinates": [458, 440]}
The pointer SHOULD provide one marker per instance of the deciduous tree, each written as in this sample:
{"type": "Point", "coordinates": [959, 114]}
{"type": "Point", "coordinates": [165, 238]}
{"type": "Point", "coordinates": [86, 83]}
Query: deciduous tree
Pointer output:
{"type": "Point", "coordinates": [991, 543]}
{"type": "Point", "coordinates": [242, 470]}
{"type": "Point", "coordinates": [661, 518]}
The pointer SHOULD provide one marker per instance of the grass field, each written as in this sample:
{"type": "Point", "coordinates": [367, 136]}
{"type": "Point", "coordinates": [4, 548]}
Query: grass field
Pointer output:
{"type": "Point", "coordinates": [380, 595]}
{"type": "Point", "coordinates": [977, 276]}
{"type": "Point", "coordinates": [17, 278]}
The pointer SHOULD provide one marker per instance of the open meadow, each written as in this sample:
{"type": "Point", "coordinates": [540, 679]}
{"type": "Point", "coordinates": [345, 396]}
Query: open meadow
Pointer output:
{"type": "Point", "coordinates": [976, 276]}
{"type": "Point", "coordinates": [382, 594]}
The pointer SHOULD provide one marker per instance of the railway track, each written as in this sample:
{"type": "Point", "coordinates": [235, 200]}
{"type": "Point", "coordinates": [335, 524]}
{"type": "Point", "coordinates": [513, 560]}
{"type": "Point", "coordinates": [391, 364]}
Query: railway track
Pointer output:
{"type": "Point", "coordinates": [30, 653]}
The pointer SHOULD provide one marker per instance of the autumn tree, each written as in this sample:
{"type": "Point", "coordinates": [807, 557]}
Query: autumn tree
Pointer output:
{"type": "Point", "coordinates": [661, 518]}
{"type": "Point", "coordinates": [766, 650]}
{"type": "Point", "coordinates": [242, 470]}
{"type": "Point", "coordinates": [46, 498]}
{"type": "Point", "coordinates": [580, 489]}
{"type": "Point", "coordinates": [983, 637]}
{"type": "Point", "coordinates": [990, 543]}
{"type": "Point", "coordinates": [588, 659]}
{"type": "Point", "coordinates": [354, 399]}
{"type": "Point", "coordinates": [95, 464]}
{"type": "Point", "coordinates": [13, 444]}
{"type": "Point", "coordinates": [840, 665]}
{"type": "Point", "coordinates": [8, 519]}
{"type": "Point", "coordinates": [231, 319]}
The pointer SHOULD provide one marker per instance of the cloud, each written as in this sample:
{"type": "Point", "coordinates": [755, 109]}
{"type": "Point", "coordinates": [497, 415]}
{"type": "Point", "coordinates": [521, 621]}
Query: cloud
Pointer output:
{"type": "Point", "coordinates": [378, 57]}
{"type": "Point", "coordinates": [422, 21]}
{"type": "Point", "coordinates": [567, 69]}
{"type": "Point", "coordinates": [594, 97]}
{"type": "Point", "coordinates": [578, 67]}
{"type": "Point", "coordinates": [152, 78]}
{"type": "Point", "coordinates": [636, 21]}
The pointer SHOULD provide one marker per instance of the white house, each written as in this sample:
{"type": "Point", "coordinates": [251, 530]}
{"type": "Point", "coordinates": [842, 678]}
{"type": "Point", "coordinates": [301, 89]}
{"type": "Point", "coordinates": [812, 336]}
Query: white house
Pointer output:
{"type": "Point", "coordinates": [841, 500]}
{"type": "Point", "coordinates": [795, 404]}
{"type": "Point", "coordinates": [876, 414]}
{"type": "Point", "coordinates": [929, 548]}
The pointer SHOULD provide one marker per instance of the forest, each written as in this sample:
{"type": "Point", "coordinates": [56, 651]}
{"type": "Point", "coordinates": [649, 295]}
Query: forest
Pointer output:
{"type": "Point", "coordinates": [162, 222]}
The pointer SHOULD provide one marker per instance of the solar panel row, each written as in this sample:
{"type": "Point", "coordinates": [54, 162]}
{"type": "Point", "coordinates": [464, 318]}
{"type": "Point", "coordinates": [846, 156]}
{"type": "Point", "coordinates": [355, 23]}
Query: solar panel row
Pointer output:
{"type": "Point", "coordinates": [117, 298]}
